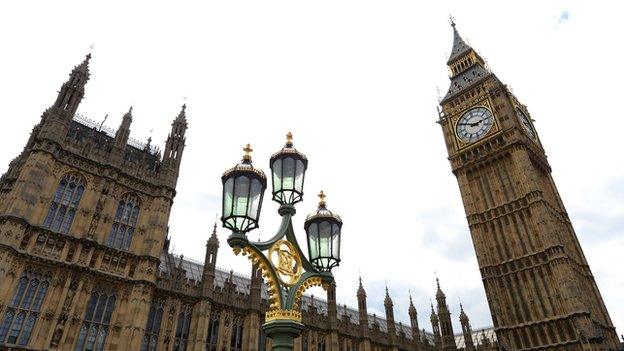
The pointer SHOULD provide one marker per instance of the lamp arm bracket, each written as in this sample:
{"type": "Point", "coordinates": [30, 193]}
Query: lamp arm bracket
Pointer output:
{"type": "Point", "coordinates": [308, 280]}
{"type": "Point", "coordinates": [255, 255]}
{"type": "Point", "coordinates": [290, 236]}
{"type": "Point", "coordinates": [283, 228]}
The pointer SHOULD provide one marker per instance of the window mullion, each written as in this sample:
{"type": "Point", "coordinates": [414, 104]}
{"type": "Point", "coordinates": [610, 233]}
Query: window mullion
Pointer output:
{"type": "Point", "coordinates": [23, 296]}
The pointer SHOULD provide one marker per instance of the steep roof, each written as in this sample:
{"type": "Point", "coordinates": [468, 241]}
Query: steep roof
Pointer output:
{"type": "Point", "coordinates": [465, 80]}
{"type": "Point", "coordinates": [459, 45]}
{"type": "Point", "coordinates": [194, 271]}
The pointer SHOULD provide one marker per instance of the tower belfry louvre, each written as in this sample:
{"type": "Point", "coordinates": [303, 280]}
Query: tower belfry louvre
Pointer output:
{"type": "Point", "coordinates": [540, 289]}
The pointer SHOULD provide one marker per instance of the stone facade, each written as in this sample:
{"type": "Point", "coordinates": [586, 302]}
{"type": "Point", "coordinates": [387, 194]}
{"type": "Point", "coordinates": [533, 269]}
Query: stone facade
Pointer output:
{"type": "Point", "coordinates": [85, 262]}
{"type": "Point", "coordinates": [540, 289]}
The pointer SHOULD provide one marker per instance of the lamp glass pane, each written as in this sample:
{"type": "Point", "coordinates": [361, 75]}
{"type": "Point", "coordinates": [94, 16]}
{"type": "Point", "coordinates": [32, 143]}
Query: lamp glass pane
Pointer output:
{"type": "Point", "coordinates": [227, 197]}
{"type": "Point", "coordinates": [256, 192]}
{"type": "Point", "coordinates": [335, 241]}
{"type": "Point", "coordinates": [288, 181]}
{"type": "Point", "coordinates": [277, 175]}
{"type": "Point", "coordinates": [324, 238]}
{"type": "Point", "coordinates": [299, 176]}
{"type": "Point", "coordinates": [313, 240]}
{"type": "Point", "coordinates": [241, 196]}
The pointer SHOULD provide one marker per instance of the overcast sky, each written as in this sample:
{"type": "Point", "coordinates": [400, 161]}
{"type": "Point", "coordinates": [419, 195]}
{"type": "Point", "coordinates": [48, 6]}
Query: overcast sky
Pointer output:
{"type": "Point", "coordinates": [356, 83]}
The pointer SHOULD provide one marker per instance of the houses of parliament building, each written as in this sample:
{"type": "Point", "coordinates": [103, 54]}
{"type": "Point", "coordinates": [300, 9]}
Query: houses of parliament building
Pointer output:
{"type": "Point", "coordinates": [85, 261]}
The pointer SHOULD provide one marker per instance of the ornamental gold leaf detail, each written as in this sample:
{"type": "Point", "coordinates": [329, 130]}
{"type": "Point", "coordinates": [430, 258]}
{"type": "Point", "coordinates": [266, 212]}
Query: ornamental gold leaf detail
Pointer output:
{"type": "Point", "coordinates": [308, 283]}
{"type": "Point", "coordinates": [283, 314]}
{"type": "Point", "coordinates": [286, 261]}
{"type": "Point", "coordinates": [271, 280]}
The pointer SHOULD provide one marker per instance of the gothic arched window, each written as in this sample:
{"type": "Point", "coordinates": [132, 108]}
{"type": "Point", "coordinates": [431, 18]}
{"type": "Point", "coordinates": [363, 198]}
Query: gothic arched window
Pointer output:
{"type": "Point", "coordinates": [152, 329]}
{"type": "Point", "coordinates": [213, 333]}
{"type": "Point", "coordinates": [64, 203]}
{"type": "Point", "coordinates": [125, 221]}
{"type": "Point", "coordinates": [22, 313]}
{"type": "Point", "coordinates": [96, 322]}
{"type": "Point", "coordinates": [320, 345]}
{"type": "Point", "coordinates": [182, 329]}
{"type": "Point", "coordinates": [236, 338]}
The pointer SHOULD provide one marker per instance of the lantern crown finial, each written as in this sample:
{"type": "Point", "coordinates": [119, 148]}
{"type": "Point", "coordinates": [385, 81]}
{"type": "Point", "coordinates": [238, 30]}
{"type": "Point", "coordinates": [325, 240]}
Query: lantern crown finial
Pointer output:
{"type": "Point", "coordinates": [289, 138]}
{"type": "Point", "coordinates": [248, 150]}
{"type": "Point", "coordinates": [322, 211]}
{"type": "Point", "coordinates": [322, 197]}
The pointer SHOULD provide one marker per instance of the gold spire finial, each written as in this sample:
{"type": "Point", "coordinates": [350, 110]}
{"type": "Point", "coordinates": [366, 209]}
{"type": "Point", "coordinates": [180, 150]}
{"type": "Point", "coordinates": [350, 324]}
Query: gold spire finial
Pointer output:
{"type": "Point", "coordinates": [248, 151]}
{"type": "Point", "coordinates": [289, 139]}
{"type": "Point", "coordinates": [322, 197]}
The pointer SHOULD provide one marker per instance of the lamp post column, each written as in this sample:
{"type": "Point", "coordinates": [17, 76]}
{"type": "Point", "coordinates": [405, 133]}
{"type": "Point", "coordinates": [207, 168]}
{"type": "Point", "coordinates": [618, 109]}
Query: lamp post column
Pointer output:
{"type": "Point", "coordinates": [283, 332]}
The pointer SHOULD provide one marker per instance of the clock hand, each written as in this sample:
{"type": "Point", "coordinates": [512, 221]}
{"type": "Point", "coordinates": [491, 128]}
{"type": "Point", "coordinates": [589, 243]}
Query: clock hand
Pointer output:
{"type": "Point", "coordinates": [476, 123]}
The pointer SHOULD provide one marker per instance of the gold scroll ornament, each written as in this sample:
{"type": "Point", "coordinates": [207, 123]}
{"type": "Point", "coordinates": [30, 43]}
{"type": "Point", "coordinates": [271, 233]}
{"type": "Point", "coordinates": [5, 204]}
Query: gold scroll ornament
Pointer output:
{"type": "Point", "coordinates": [286, 262]}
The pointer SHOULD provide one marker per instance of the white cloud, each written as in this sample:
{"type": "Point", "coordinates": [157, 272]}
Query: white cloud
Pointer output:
{"type": "Point", "coordinates": [563, 16]}
{"type": "Point", "coordinates": [355, 81]}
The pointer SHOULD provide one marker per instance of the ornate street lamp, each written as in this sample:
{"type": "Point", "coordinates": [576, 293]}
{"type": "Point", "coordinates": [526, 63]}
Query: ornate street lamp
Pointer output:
{"type": "Point", "coordinates": [243, 189]}
{"type": "Point", "coordinates": [323, 231]}
{"type": "Point", "coordinates": [286, 270]}
{"type": "Point", "coordinates": [288, 168]}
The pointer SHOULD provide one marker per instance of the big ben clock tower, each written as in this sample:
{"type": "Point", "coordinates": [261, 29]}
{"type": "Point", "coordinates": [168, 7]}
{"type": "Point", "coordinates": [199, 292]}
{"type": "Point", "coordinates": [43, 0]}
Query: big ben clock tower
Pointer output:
{"type": "Point", "coordinates": [540, 289]}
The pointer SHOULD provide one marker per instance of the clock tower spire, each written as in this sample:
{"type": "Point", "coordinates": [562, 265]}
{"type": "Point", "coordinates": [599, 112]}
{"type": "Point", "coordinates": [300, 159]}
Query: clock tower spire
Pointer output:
{"type": "Point", "coordinates": [541, 291]}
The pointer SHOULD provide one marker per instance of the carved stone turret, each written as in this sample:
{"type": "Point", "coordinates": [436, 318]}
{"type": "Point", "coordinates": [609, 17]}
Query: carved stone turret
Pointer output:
{"type": "Point", "coordinates": [72, 91]}
{"type": "Point", "coordinates": [466, 329]}
{"type": "Point", "coordinates": [255, 289]}
{"type": "Point", "coordinates": [361, 297]}
{"type": "Point", "coordinates": [446, 325]}
{"type": "Point", "coordinates": [121, 138]}
{"type": "Point", "coordinates": [175, 147]}
{"type": "Point", "coordinates": [435, 325]}
{"type": "Point", "coordinates": [332, 309]}
{"type": "Point", "coordinates": [391, 326]}
{"type": "Point", "coordinates": [413, 315]}
{"type": "Point", "coordinates": [123, 133]}
{"type": "Point", "coordinates": [210, 262]}
{"type": "Point", "coordinates": [57, 118]}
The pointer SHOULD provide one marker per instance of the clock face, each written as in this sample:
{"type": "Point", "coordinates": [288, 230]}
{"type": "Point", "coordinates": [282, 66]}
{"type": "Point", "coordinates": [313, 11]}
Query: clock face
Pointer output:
{"type": "Point", "coordinates": [474, 124]}
{"type": "Point", "coordinates": [525, 123]}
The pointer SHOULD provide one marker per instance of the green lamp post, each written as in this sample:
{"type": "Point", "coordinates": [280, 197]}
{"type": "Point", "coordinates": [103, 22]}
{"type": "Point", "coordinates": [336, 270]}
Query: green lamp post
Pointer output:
{"type": "Point", "coordinates": [287, 272]}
